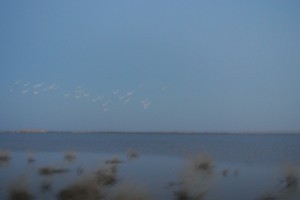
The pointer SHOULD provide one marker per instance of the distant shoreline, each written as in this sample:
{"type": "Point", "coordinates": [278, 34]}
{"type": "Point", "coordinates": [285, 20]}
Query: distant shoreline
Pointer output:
{"type": "Point", "coordinates": [147, 132]}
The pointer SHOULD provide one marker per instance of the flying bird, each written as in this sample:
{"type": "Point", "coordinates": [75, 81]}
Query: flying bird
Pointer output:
{"type": "Point", "coordinates": [129, 93]}
{"type": "Point", "coordinates": [146, 103]}
{"type": "Point", "coordinates": [165, 87]}
{"type": "Point", "coordinates": [38, 85]}
{"type": "Point", "coordinates": [25, 91]}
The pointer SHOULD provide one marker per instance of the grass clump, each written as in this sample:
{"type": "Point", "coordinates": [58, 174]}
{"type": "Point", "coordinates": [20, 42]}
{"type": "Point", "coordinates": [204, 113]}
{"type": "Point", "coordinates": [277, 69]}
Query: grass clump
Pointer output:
{"type": "Point", "coordinates": [4, 156]}
{"type": "Point", "coordinates": [225, 172]}
{"type": "Point", "coordinates": [202, 162]}
{"type": "Point", "coordinates": [129, 192]}
{"type": "Point", "coordinates": [107, 177]}
{"type": "Point", "coordinates": [70, 156]}
{"type": "Point", "coordinates": [268, 197]}
{"type": "Point", "coordinates": [291, 178]}
{"type": "Point", "coordinates": [132, 154]}
{"type": "Point", "coordinates": [20, 194]}
{"type": "Point", "coordinates": [45, 186]}
{"type": "Point", "coordinates": [196, 178]}
{"type": "Point", "coordinates": [113, 161]}
{"type": "Point", "coordinates": [30, 157]}
{"type": "Point", "coordinates": [46, 171]}
{"type": "Point", "coordinates": [82, 190]}
{"type": "Point", "coordinates": [19, 191]}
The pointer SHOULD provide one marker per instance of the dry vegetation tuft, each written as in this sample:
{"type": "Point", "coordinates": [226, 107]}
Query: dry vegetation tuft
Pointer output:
{"type": "Point", "coordinates": [132, 154]}
{"type": "Point", "coordinates": [107, 176]}
{"type": "Point", "coordinates": [291, 176]}
{"type": "Point", "coordinates": [19, 191]}
{"type": "Point", "coordinates": [114, 161]}
{"type": "Point", "coordinates": [30, 157]}
{"type": "Point", "coordinates": [45, 186]}
{"type": "Point", "coordinates": [129, 192]}
{"type": "Point", "coordinates": [46, 171]}
{"type": "Point", "coordinates": [86, 189]}
{"type": "Point", "coordinates": [70, 156]}
{"type": "Point", "coordinates": [196, 178]}
{"type": "Point", "coordinates": [4, 156]}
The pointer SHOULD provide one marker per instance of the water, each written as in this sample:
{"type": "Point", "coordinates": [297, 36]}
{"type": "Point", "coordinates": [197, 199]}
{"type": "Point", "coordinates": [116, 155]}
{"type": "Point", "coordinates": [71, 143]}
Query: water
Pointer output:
{"type": "Point", "coordinates": [244, 166]}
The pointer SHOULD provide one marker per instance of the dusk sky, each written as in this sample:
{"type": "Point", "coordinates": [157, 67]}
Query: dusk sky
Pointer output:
{"type": "Point", "coordinates": [141, 65]}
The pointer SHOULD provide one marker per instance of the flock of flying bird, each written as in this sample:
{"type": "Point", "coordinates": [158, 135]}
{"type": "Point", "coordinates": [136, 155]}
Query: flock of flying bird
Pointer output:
{"type": "Point", "coordinates": [82, 93]}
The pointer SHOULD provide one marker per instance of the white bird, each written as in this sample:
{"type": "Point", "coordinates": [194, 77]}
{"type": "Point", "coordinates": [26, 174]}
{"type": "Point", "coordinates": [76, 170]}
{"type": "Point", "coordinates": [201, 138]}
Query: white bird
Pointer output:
{"type": "Point", "coordinates": [106, 109]}
{"type": "Point", "coordinates": [38, 85]}
{"type": "Point", "coordinates": [24, 91]}
{"type": "Point", "coordinates": [129, 93]}
{"type": "Point", "coordinates": [146, 103]}
{"type": "Point", "coordinates": [165, 87]}
{"type": "Point", "coordinates": [122, 97]}
{"type": "Point", "coordinates": [35, 92]}
{"type": "Point", "coordinates": [51, 87]}
{"type": "Point", "coordinates": [141, 85]}
{"type": "Point", "coordinates": [126, 101]}
{"type": "Point", "coordinates": [26, 84]}
{"type": "Point", "coordinates": [105, 104]}
{"type": "Point", "coordinates": [98, 98]}
{"type": "Point", "coordinates": [115, 92]}
{"type": "Point", "coordinates": [18, 82]}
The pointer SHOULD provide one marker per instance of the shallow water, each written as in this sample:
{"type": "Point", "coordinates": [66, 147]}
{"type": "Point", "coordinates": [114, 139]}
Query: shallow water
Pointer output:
{"type": "Point", "coordinates": [254, 162]}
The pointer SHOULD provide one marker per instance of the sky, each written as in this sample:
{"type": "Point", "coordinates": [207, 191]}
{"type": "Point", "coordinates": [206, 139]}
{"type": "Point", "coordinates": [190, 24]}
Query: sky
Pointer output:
{"type": "Point", "coordinates": [141, 65]}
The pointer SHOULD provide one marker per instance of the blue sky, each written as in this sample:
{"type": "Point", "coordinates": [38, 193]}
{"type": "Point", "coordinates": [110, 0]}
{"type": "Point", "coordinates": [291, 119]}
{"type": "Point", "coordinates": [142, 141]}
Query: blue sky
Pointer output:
{"type": "Point", "coordinates": [150, 65]}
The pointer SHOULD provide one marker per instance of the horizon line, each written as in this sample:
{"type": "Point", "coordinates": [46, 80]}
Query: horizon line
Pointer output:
{"type": "Point", "coordinates": [147, 131]}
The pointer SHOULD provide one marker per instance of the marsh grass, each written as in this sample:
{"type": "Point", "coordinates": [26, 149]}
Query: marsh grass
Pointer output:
{"type": "Point", "coordinates": [291, 176]}
{"type": "Point", "coordinates": [196, 178]}
{"type": "Point", "coordinates": [114, 161]}
{"type": "Point", "coordinates": [45, 186]}
{"type": "Point", "coordinates": [19, 190]}
{"type": "Point", "coordinates": [127, 191]}
{"type": "Point", "coordinates": [268, 197]}
{"type": "Point", "coordinates": [70, 156]}
{"type": "Point", "coordinates": [20, 194]}
{"type": "Point", "coordinates": [4, 156]}
{"type": "Point", "coordinates": [107, 176]}
{"type": "Point", "coordinates": [30, 157]}
{"type": "Point", "coordinates": [47, 171]}
{"type": "Point", "coordinates": [185, 195]}
{"type": "Point", "coordinates": [225, 172]}
{"type": "Point", "coordinates": [79, 171]}
{"type": "Point", "coordinates": [288, 184]}
{"type": "Point", "coordinates": [85, 189]}
{"type": "Point", "coordinates": [132, 154]}
{"type": "Point", "coordinates": [202, 162]}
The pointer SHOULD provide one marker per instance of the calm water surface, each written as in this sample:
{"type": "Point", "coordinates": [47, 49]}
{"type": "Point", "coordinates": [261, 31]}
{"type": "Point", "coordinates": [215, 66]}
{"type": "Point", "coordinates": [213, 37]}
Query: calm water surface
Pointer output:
{"type": "Point", "coordinates": [253, 163]}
